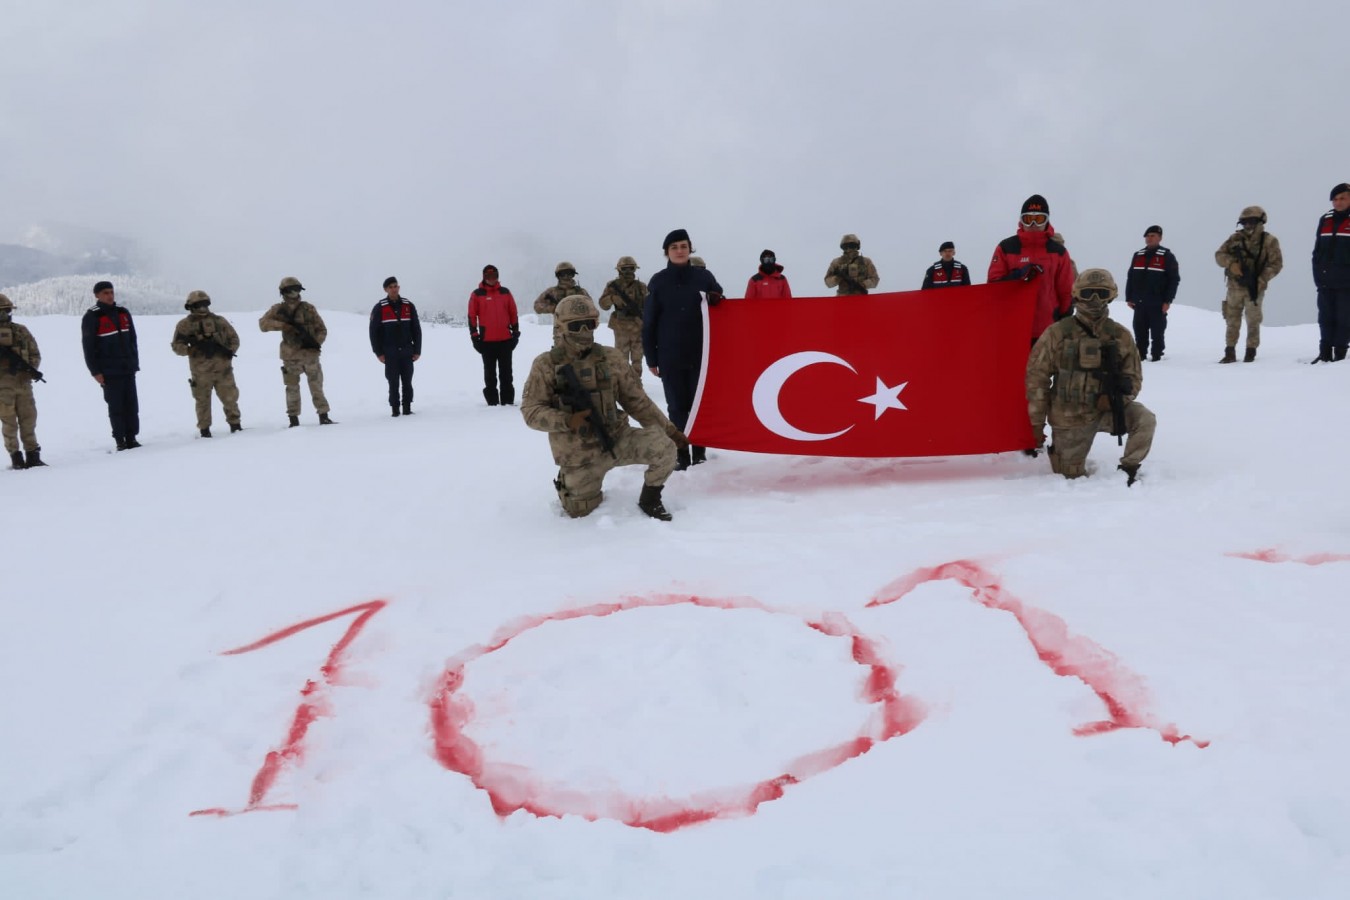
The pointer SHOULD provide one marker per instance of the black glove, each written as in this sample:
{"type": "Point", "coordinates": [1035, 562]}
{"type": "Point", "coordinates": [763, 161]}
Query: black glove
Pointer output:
{"type": "Point", "coordinates": [1023, 273]}
{"type": "Point", "coordinates": [513, 343]}
{"type": "Point", "coordinates": [477, 342]}
{"type": "Point", "coordinates": [715, 297]}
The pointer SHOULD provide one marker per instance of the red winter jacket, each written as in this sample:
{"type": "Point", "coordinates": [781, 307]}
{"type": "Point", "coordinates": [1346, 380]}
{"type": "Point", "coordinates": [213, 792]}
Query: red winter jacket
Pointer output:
{"type": "Point", "coordinates": [492, 312]}
{"type": "Point", "coordinates": [1054, 291]}
{"type": "Point", "coordinates": [768, 284]}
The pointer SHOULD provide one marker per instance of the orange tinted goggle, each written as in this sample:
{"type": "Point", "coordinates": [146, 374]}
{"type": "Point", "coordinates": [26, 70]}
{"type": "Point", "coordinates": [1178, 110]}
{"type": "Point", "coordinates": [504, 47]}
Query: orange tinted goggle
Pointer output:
{"type": "Point", "coordinates": [1034, 218]}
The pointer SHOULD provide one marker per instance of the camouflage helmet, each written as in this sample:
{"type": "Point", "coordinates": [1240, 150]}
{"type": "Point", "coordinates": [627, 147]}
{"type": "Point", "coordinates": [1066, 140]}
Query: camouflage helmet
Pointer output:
{"type": "Point", "coordinates": [5, 303]}
{"type": "Point", "coordinates": [1096, 278]}
{"type": "Point", "coordinates": [288, 282]}
{"type": "Point", "coordinates": [849, 239]}
{"type": "Point", "coordinates": [574, 307]}
{"type": "Point", "coordinates": [626, 262]}
{"type": "Point", "coordinates": [196, 297]}
{"type": "Point", "coordinates": [564, 266]}
{"type": "Point", "coordinates": [1253, 212]}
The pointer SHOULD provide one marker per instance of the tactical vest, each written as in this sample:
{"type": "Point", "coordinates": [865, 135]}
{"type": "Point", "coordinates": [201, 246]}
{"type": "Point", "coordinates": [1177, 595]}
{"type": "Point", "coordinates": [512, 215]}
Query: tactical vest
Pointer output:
{"type": "Point", "coordinates": [620, 308]}
{"type": "Point", "coordinates": [1078, 382]}
{"type": "Point", "coordinates": [594, 374]}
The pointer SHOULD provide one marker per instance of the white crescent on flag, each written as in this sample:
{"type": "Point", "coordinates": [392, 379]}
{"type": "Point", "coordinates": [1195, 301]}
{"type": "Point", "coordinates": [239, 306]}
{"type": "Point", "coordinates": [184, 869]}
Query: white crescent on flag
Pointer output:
{"type": "Point", "coordinates": [770, 384]}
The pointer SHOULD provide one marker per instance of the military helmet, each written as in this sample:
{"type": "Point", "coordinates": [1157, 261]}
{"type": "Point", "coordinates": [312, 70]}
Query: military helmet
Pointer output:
{"type": "Point", "coordinates": [1253, 212]}
{"type": "Point", "coordinates": [197, 297]}
{"type": "Point", "coordinates": [574, 307]}
{"type": "Point", "coordinates": [626, 262]}
{"type": "Point", "coordinates": [290, 282]}
{"type": "Point", "coordinates": [5, 303]}
{"type": "Point", "coordinates": [564, 266]}
{"type": "Point", "coordinates": [849, 239]}
{"type": "Point", "coordinates": [1095, 278]}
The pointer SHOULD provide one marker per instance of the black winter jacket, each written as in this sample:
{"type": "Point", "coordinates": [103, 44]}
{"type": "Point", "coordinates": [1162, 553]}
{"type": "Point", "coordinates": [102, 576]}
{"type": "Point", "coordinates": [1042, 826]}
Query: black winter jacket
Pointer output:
{"type": "Point", "coordinates": [672, 317]}
{"type": "Point", "coordinates": [1153, 277]}
{"type": "Point", "coordinates": [395, 329]}
{"type": "Point", "coordinates": [109, 338]}
{"type": "Point", "coordinates": [1331, 252]}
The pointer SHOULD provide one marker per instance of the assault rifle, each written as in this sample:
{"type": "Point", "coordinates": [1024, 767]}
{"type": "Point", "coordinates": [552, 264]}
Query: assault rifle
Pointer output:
{"type": "Point", "coordinates": [849, 280]}
{"type": "Point", "coordinates": [211, 346]}
{"type": "Point", "coordinates": [1116, 386]}
{"type": "Point", "coordinates": [1248, 265]}
{"type": "Point", "coordinates": [627, 306]}
{"type": "Point", "coordinates": [580, 399]}
{"type": "Point", "coordinates": [306, 339]}
{"type": "Point", "coordinates": [9, 354]}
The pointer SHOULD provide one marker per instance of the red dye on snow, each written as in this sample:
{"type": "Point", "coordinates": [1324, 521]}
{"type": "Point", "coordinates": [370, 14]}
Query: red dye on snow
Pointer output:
{"type": "Point", "coordinates": [1271, 555]}
{"type": "Point", "coordinates": [1067, 654]}
{"type": "Point", "coordinates": [313, 705]}
{"type": "Point", "coordinates": [512, 788]}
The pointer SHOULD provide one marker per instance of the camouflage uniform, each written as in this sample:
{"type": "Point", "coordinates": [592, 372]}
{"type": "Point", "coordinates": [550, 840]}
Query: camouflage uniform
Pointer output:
{"type": "Point", "coordinates": [209, 342]}
{"type": "Point", "coordinates": [625, 295]}
{"type": "Point", "coordinates": [567, 286]}
{"type": "Point", "coordinates": [18, 410]}
{"type": "Point", "coordinates": [1261, 252]}
{"type": "Point", "coordinates": [1064, 382]}
{"type": "Point", "coordinates": [854, 274]}
{"type": "Point", "coordinates": [299, 356]}
{"type": "Point", "coordinates": [615, 395]}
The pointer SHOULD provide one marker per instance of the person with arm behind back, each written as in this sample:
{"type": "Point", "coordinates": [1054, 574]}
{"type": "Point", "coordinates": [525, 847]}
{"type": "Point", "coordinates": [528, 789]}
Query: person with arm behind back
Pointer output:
{"type": "Point", "coordinates": [110, 352]}
{"type": "Point", "coordinates": [396, 341]}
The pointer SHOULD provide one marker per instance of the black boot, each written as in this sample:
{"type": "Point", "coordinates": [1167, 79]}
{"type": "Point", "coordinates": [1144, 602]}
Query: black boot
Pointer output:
{"type": "Point", "coordinates": [1323, 354]}
{"type": "Point", "coordinates": [650, 503]}
{"type": "Point", "coordinates": [324, 420]}
{"type": "Point", "coordinates": [121, 443]}
{"type": "Point", "coordinates": [1229, 355]}
{"type": "Point", "coordinates": [235, 426]}
{"type": "Point", "coordinates": [1250, 355]}
{"type": "Point", "coordinates": [407, 407]}
{"type": "Point", "coordinates": [393, 411]}
{"type": "Point", "coordinates": [35, 458]}
{"type": "Point", "coordinates": [698, 455]}
{"type": "Point", "coordinates": [16, 460]}
{"type": "Point", "coordinates": [1131, 473]}
{"type": "Point", "coordinates": [1337, 354]}
{"type": "Point", "coordinates": [294, 421]}
{"type": "Point", "coordinates": [132, 443]}
{"type": "Point", "coordinates": [490, 395]}
{"type": "Point", "coordinates": [508, 397]}
{"type": "Point", "coordinates": [206, 432]}
{"type": "Point", "coordinates": [681, 459]}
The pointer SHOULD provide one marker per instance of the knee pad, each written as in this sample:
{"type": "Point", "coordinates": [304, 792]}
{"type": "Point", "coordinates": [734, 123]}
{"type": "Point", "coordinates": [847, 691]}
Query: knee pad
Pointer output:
{"type": "Point", "coordinates": [576, 507]}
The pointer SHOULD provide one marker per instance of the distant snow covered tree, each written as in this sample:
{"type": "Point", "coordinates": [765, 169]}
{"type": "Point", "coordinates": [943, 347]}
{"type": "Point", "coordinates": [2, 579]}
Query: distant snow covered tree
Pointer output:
{"type": "Point", "coordinates": [71, 295]}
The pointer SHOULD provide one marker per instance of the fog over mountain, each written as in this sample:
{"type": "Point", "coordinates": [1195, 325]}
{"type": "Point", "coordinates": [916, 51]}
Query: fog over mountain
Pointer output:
{"type": "Point", "coordinates": [343, 143]}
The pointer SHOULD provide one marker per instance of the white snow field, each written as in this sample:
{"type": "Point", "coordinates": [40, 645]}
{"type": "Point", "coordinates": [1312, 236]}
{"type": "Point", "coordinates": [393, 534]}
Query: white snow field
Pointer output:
{"type": "Point", "coordinates": [826, 678]}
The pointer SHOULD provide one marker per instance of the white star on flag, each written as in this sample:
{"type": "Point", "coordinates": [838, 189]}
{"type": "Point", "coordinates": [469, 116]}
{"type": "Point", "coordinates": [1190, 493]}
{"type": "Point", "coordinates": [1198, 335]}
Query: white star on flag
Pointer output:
{"type": "Point", "coordinates": [885, 398]}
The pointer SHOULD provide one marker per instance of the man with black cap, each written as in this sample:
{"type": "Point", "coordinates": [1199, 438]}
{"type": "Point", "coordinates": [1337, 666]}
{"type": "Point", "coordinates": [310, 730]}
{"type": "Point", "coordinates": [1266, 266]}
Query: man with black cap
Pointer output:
{"type": "Point", "coordinates": [1035, 251]}
{"type": "Point", "coordinates": [947, 271]}
{"type": "Point", "coordinates": [1150, 289]}
{"type": "Point", "coordinates": [494, 328]}
{"type": "Point", "coordinates": [769, 282]}
{"type": "Point", "coordinates": [672, 331]}
{"type": "Point", "coordinates": [110, 352]}
{"type": "Point", "coordinates": [396, 341]}
{"type": "Point", "coordinates": [1331, 275]}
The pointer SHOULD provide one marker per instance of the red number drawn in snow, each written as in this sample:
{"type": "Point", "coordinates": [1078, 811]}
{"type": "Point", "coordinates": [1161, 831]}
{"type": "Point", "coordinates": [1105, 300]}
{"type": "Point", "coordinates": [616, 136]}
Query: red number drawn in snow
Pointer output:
{"type": "Point", "coordinates": [511, 787]}
{"type": "Point", "coordinates": [313, 705]}
{"type": "Point", "coordinates": [1067, 654]}
{"type": "Point", "coordinates": [1271, 555]}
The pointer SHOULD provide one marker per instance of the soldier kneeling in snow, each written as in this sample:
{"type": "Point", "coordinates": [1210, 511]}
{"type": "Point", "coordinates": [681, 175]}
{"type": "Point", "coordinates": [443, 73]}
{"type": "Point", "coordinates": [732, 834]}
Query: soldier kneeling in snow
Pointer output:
{"type": "Point", "coordinates": [1084, 371]}
{"type": "Point", "coordinates": [582, 394]}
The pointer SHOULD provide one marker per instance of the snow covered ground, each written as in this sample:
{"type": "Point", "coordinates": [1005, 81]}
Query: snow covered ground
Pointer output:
{"type": "Point", "coordinates": [930, 678]}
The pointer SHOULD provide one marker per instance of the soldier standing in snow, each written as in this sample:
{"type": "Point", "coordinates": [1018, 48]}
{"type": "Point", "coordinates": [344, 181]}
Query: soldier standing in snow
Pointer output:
{"type": "Point", "coordinates": [625, 296]}
{"type": "Point", "coordinates": [302, 336]}
{"type": "Point", "coordinates": [1331, 275]}
{"type": "Point", "coordinates": [1150, 289]}
{"type": "Point", "coordinates": [947, 271]}
{"type": "Point", "coordinates": [853, 273]}
{"type": "Point", "coordinates": [1250, 258]}
{"type": "Point", "coordinates": [1083, 374]}
{"type": "Point", "coordinates": [582, 394]}
{"type": "Point", "coordinates": [209, 342]}
{"type": "Point", "coordinates": [109, 337]}
{"type": "Point", "coordinates": [566, 274]}
{"type": "Point", "coordinates": [19, 362]}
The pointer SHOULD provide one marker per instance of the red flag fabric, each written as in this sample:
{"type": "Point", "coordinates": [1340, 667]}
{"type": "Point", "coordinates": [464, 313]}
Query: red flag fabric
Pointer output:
{"type": "Point", "coordinates": [918, 373]}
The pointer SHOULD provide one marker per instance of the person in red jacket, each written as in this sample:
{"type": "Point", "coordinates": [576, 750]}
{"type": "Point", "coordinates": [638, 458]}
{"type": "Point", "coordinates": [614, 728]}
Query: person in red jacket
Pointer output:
{"type": "Point", "coordinates": [769, 280]}
{"type": "Point", "coordinates": [1037, 252]}
{"type": "Point", "coordinates": [494, 328]}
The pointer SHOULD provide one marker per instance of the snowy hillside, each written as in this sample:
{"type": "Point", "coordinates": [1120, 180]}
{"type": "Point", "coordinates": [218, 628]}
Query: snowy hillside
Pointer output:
{"type": "Point", "coordinates": [71, 295]}
{"type": "Point", "coordinates": [925, 678]}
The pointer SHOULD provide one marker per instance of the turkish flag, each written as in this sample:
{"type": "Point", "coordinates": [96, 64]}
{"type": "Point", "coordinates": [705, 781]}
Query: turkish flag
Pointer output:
{"type": "Point", "coordinates": [918, 373]}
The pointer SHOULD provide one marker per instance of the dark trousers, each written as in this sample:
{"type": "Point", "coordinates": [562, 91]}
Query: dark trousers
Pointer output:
{"type": "Point", "coordinates": [1333, 316]}
{"type": "Point", "coordinates": [399, 368]}
{"type": "Point", "coordinates": [497, 362]}
{"type": "Point", "coordinates": [124, 410]}
{"type": "Point", "coordinates": [680, 384]}
{"type": "Point", "coordinates": [1149, 323]}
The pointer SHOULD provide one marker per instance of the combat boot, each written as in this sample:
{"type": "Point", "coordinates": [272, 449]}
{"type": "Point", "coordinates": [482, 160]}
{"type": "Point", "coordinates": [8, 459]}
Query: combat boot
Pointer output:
{"type": "Point", "coordinates": [35, 458]}
{"type": "Point", "coordinates": [294, 421]}
{"type": "Point", "coordinates": [1323, 354]}
{"type": "Point", "coordinates": [16, 460]}
{"type": "Point", "coordinates": [681, 459]}
{"type": "Point", "coordinates": [407, 407]}
{"type": "Point", "coordinates": [324, 420]}
{"type": "Point", "coordinates": [1250, 356]}
{"type": "Point", "coordinates": [121, 443]}
{"type": "Point", "coordinates": [1131, 471]}
{"type": "Point", "coordinates": [235, 426]}
{"type": "Point", "coordinates": [206, 432]}
{"type": "Point", "coordinates": [132, 443]}
{"type": "Point", "coordinates": [393, 411]}
{"type": "Point", "coordinates": [490, 395]}
{"type": "Point", "coordinates": [698, 455]}
{"type": "Point", "coordinates": [1229, 355]}
{"type": "Point", "coordinates": [650, 502]}
{"type": "Point", "coordinates": [1338, 354]}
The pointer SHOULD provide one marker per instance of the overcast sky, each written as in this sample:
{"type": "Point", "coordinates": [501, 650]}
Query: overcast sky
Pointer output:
{"type": "Point", "coordinates": [345, 141]}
